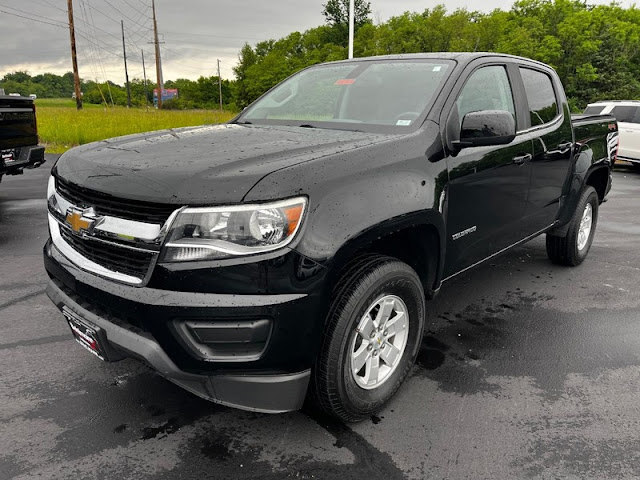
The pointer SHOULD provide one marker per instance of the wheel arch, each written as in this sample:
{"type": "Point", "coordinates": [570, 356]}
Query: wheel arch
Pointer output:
{"type": "Point", "coordinates": [417, 239]}
{"type": "Point", "coordinates": [598, 178]}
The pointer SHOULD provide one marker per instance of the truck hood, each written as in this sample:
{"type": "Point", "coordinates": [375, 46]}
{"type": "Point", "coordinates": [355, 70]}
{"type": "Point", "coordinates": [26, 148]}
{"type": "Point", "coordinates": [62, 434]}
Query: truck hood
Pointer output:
{"type": "Point", "coordinates": [203, 165]}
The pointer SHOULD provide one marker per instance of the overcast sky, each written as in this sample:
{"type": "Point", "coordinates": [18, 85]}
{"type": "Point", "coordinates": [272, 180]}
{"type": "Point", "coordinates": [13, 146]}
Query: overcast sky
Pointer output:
{"type": "Point", "coordinates": [195, 32]}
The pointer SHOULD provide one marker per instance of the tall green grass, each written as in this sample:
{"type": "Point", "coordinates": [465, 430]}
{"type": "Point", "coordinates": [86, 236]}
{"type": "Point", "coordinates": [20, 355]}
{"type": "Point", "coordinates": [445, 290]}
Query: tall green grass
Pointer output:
{"type": "Point", "coordinates": [61, 126]}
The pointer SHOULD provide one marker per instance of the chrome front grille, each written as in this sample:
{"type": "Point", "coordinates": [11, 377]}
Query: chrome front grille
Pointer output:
{"type": "Point", "coordinates": [101, 236]}
{"type": "Point", "coordinates": [135, 263]}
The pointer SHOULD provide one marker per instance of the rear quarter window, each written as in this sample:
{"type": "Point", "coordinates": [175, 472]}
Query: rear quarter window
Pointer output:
{"type": "Point", "coordinates": [543, 105]}
{"type": "Point", "coordinates": [626, 114]}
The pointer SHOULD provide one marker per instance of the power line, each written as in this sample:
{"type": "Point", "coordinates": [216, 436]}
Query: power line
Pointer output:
{"type": "Point", "coordinates": [131, 40]}
{"type": "Point", "coordinates": [91, 24]}
{"type": "Point", "coordinates": [134, 8]}
{"type": "Point", "coordinates": [53, 5]}
{"type": "Point", "coordinates": [35, 19]}
{"type": "Point", "coordinates": [120, 12]}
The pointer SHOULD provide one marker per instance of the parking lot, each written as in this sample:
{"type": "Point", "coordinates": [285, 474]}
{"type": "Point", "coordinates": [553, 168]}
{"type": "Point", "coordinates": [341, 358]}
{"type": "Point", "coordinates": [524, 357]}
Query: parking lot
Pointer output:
{"type": "Point", "coordinates": [527, 370]}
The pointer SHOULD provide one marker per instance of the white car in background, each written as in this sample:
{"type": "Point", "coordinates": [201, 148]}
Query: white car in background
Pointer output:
{"type": "Point", "coordinates": [627, 113]}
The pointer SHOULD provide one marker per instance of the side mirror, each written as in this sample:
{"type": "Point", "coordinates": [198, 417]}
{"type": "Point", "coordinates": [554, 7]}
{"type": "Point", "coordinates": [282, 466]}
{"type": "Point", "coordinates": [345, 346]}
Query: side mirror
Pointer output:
{"type": "Point", "coordinates": [488, 127]}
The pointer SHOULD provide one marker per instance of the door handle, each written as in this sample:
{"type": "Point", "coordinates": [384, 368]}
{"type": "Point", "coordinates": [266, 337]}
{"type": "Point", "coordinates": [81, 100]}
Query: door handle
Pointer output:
{"type": "Point", "coordinates": [519, 160]}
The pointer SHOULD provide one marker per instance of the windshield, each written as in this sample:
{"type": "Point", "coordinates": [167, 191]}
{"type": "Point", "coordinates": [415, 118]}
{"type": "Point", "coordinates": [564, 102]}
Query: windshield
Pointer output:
{"type": "Point", "coordinates": [368, 96]}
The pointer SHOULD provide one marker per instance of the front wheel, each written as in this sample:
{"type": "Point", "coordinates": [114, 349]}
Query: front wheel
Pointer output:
{"type": "Point", "coordinates": [373, 334]}
{"type": "Point", "coordinates": [572, 248]}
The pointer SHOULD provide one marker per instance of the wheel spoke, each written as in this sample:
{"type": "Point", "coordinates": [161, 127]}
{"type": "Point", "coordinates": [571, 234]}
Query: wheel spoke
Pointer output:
{"type": "Point", "coordinates": [395, 324]}
{"type": "Point", "coordinates": [389, 354]}
{"type": "Point", "coordinates": [365, 327]}
{"type": "Point", "coordinates": [378, 342]}
{"type": "Point", "coordinates": [359, 357]}
{"type": "Point", "coordinates": [372, 370]}
{"type": "Point", "coordinates": [385, 312]}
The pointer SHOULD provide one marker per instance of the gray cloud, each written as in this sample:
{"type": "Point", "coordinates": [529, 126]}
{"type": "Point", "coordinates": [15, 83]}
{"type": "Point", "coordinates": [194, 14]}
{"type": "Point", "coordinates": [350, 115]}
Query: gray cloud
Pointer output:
{"type": "Point", "coordinates": [195, 32]}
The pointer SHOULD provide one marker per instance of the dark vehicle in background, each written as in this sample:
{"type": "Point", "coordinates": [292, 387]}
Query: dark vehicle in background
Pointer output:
{"type": "Point", "coordinates": [627, 113]}
{"type": "Point", "coordinates": [18, 136]}
{"type": "Point", "coordinates": [294, 248]}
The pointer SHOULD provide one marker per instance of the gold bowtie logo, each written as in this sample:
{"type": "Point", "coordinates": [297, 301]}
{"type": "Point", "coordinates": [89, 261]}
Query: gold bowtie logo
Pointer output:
{"type": "Point", "coordinates": [81, 220]}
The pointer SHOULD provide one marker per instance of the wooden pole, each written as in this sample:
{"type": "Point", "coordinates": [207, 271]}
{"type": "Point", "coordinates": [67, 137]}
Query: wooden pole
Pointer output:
{"type": "Point", "coordinates": [74, 59]}
{"type": "Point", "coordinates": [219, 85]}
{"type": "Point", "coordinates": [158, 60]}
{"type": "Point", "coordinates": [126, 72]}
{"type": "Point", "coordinates": [144, 74]}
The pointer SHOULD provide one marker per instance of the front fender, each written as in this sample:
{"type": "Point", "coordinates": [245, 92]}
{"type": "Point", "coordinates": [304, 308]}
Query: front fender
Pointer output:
{"type": "Point", "coordinates": [361, 195]}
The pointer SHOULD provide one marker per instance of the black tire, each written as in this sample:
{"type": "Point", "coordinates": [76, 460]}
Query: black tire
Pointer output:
{"type": "Point", "coordinates": [368, 279]}
{"type": "Point", "coordinates": [563, 250]}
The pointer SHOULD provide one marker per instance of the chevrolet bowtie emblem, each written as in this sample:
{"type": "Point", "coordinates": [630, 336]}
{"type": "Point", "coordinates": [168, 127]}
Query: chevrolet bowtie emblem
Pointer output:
{"type": "Point", "coordinates": [82, 220]}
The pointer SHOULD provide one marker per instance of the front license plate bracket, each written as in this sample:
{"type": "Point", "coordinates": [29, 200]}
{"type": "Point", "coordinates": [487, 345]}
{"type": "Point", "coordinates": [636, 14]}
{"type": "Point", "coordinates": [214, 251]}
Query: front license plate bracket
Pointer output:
{"type": "Point", "coordinates": [90, 336]}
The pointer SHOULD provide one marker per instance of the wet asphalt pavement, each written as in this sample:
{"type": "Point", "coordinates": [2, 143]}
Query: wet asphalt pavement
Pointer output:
{"type": "Point", "coordinates": [527, 370]}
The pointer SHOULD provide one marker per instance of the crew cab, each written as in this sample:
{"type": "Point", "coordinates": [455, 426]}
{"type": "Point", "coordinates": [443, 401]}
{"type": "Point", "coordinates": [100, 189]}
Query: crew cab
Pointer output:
{"type": "Point", "coordinates": [292, 250]}
{"type": "Point", "coordinates": [627, 113]}
{"type": "Point", "coordinates": [19, 147]}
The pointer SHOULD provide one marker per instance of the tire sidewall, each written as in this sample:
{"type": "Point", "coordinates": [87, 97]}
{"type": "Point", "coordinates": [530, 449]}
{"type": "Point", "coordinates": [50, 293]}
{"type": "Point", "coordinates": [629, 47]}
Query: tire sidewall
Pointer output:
{"type": "Point", "coordinates": [588, 196]}
{"type": "Point", "coordinates": [405, 285]}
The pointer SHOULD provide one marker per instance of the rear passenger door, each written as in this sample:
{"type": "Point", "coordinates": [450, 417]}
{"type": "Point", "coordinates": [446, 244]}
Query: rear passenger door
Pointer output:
{"type": "Point", "coordinates": [549, 124]}
{"type": "Point", "coordinates": [488, 185]}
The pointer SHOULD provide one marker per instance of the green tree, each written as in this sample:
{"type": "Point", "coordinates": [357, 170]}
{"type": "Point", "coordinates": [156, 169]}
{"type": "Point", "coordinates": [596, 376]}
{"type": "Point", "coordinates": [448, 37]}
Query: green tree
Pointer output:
{"type": "Point", "coordinates": [336, 14]}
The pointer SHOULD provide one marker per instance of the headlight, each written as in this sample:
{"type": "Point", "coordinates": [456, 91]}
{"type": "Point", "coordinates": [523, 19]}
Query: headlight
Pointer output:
{"type": "Point", "coordinates": [52, 201]}
{"type": "Point", "coordinates": [51, 186]}
{"type": "Point", "coordinates": [221, 232]}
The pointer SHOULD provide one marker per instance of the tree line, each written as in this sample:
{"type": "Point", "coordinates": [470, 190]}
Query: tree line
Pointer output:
{"type": "Point", "coordinates": [594, 48]}
{"type": "Point", "coordinates": [200, 93]}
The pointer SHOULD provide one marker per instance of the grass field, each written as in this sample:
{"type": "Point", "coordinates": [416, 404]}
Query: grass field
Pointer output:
{"type": "Point", "coordinates": [61, 126]}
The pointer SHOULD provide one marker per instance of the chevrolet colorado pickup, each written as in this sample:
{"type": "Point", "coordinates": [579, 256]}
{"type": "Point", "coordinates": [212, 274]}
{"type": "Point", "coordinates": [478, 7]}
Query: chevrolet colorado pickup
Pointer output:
{"type": "Point", "coordinates": [18, 136]}
{"type": "Point", "coordinates": [291, 251]}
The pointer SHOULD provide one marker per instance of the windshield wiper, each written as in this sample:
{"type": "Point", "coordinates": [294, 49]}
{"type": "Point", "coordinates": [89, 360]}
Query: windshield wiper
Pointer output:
{"type": "Point", "coordinates": [244, 122]}
{"type": "Point", "coordinates": [307, 125]}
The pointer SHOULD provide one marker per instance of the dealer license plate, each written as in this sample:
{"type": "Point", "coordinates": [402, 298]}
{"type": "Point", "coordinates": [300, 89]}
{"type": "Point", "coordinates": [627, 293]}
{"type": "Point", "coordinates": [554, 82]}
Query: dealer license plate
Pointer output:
{"type": "Point", "coordinates": [85, 333]}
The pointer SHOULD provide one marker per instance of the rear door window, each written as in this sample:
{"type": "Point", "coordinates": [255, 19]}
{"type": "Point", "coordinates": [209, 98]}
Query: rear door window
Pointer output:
{"type": "Point", "coordinates": [626, 114]}
{"type": "Point", "coordinates": [543, 105]}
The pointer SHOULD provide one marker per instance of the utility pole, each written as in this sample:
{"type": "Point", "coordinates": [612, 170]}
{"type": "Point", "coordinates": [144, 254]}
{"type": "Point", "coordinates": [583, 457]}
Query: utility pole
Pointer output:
{"type": "Point", "coordinates": [219, 85]}
{"type": "Point", "coordinates": [158, 60]}
{"type": "Point", "coordinates": [352, 14]}
{"type": "Point", "coordinates": [144, 73]}
{"type": "Point", "coordinates": [74, 60]}
{"type": "Point", "coordinates": [126, 72]}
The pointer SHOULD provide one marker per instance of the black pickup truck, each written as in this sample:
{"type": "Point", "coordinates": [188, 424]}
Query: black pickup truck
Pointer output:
{"type": "Point", "coordinates": [291, 251]}
{"type": "Point", "coordinates": [18, 136]}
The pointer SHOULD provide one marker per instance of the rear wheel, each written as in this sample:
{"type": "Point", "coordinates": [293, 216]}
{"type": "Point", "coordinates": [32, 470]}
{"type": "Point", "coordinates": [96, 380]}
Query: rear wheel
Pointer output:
{"type": "Point", "coordinates": [373, 334]}
{"type": "Point", "coordinates": [572, 248]}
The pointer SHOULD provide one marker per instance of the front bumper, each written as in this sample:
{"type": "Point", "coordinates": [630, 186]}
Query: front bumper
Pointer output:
{"type": "Point", "coordinates": [277, 382]}
{"type": "Point", "coordinates": [28, 157]}
{"type": "Point", "coordinates": [262, 393]}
